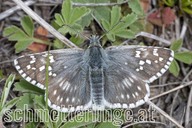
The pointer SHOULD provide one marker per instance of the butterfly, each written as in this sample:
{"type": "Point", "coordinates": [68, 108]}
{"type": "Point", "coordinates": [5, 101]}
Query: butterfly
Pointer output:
{"type": "Point", "coordinates": [96, 78]}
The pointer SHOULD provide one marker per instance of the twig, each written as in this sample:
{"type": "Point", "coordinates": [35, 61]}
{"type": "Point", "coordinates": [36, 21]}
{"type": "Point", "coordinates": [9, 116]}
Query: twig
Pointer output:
{"type": "Point", "coordinates": [42, 22]}
{"type": "Point", "coordinates": [172, 90]}
{"type": "Point", "coordinates": [187, 116]}
{"type": "Point", "coordinates": [184, 29]}
{"type": "Point", "coordinates": [13, 9]}
{"type": "Point", "coordinates": [145, 34]}
{"type": "Point", "coordinates": [98, 4]}
{"type": "Point", "coordinates": [164, 114]}
{"type": "Point", "coordinates": [162, 85]}
{"type": "Point", "coordinates": [143, 122]}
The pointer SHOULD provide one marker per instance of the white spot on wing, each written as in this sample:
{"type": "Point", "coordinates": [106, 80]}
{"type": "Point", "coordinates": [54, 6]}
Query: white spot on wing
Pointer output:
{"type": "Point", "coordinates": [49, 68]}
{"type": "Point", "coordinates": [170, 58]}
{"type": "Point", "coordinates": [132, 105]}
{"type": "Point", "coordinates": [73, 99]}
{"type": "Point", "coordinates": [28, 79]}
{"type": "Point", "coordinates": [160, 59]}
{"type": "Point", "coordinates": [17, 67]}
{"type": "Point", "coordinates": [33, 82]}
{"type": "Point", "coordinates": [42, 68]}
{"type": "Point", "coordinates": [163, 70]}
{"type": "Point", "coordinates": [28, 67]}
{"type": "Point", "coordinates": [148, 61]}
{"type": "Point", "coordinates": [126, 82]}
{"type": "Point", "coordinates": [158, 74]}
{"type": "Point", "coordinates": [20, 71]}
{"type": "Point", "coordinates": [23, 75]}
{"type": "Point", "coordinates": [141, 62]}
{"type": "Point", "coordinates": [124, 106]}
{"type": "Point", "coordinates": [152, 78]}
{"type": "Point", "coordinates": [55, 92]}
{"type": "Point", "coordinates": [51, 59]}
{"type": "Point", "coordinates": [139, 88]}
{"type": "Point", "coordinates": [138, 54]}
{"type": "Point", "coordinates": [122, 96]}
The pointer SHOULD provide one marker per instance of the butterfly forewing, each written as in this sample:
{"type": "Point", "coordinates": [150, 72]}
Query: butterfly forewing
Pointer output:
{"type": "Point", "coordinates": [67, 86]}
{"type": "Point", "coordinates": [147, 63]}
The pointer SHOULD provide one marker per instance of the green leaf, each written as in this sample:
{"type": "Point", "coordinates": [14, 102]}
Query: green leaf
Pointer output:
{"type": "Point", "coordinates": [71, 18]}
{"type": "Point", "coordinates": [78, 13]}
{"type": "Point", "coordinates": [42, 112]}
{"type": "Point", "coordinates": [23, 44]}
{"type": "Point", "coordinates": [57, 44]}
{"type": "Point", "coordinates": [176, 45]}
{"type": "Point", "coordinates": [115, 15]}
{"type": "Point", "coordinates": [77, 40]}
{"type": "Point", "coordinates": [86, 20]}
{"type": "Point", "coordinates": [6, 90]}
{"type": "Point", "coordinates": [129, 19]}
{"type": "Point", "coordinates": [136, 7]}
{"type": "Point", "coordinates": [111, 36]}
{"type": "Point", "coordinates": [27, 24]}
{"type": "Point", "coordinates": [169, 2]}
{"type": "Point", "coordinates": [101, 13]}
{"type": "Point", "coordinates": [174, 68]}
{"type": "Point", "coordinates": [125, 22]}
{"type": "Point", "coordinates": [136, 27]}
{"type": "Point", "coordinates": [14, 33]}
{"type": "Point", "coordinates": [8, 106]}
{"type": "Point", "coordinates": [106, 24]}
{"type": "Point", "coordinates": [30, 125]}
{"type": "Point", "coordinates": [26, 101]}
{"type": "Point", "coordinates": [12, 102]}
{"type": "Point", "coordinates": [66, 10]}
{"type": "Point", "coordinates": [185, 57]}
{"type": "Point", "coordinates": [59, 19]}
{"type": "Point", "coordinates": [125, 34]}
{"type": "Point", "coordinates": [187, 10]}
{"type": "Point", "coordinates": [26, 87]}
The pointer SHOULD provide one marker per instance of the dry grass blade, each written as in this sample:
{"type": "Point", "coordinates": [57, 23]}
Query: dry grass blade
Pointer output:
{"type": "Point", "coordinates": [172, 90]}
{"type": "Point", "coordinates": [164, 114]}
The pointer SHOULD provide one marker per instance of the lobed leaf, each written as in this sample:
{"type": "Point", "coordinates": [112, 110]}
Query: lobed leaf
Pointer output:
{"type": "Point", "coordinates": [27, 24]}
{"type": "Point", "coordinates": [176, 45]}
{"type": "Point", "coordinates": [23, 44]}
{"type": "Point", "coordinates": [14, 33]}
{"type": "Point", "coordinates": [185, 57]}
{"type": "Point", "coordinates": [174, 68]}
{"type": "Point", "coordinates": [136, 7]}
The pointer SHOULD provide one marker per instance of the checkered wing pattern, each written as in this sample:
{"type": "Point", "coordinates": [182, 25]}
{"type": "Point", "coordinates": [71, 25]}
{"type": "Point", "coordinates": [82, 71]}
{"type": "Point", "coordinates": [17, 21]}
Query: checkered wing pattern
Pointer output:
{"type": "Point", "coordinates": [130, 70]}
{"type": "Point", "coordinates": [68, 88]}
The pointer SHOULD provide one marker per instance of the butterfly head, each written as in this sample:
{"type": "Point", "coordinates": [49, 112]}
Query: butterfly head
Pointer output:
{"type": "Point", "coordinates": [94, 41]}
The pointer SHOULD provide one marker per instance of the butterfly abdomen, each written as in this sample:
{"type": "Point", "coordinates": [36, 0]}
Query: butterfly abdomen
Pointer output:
{"type": "Point", "coordinates": [97, 86]}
